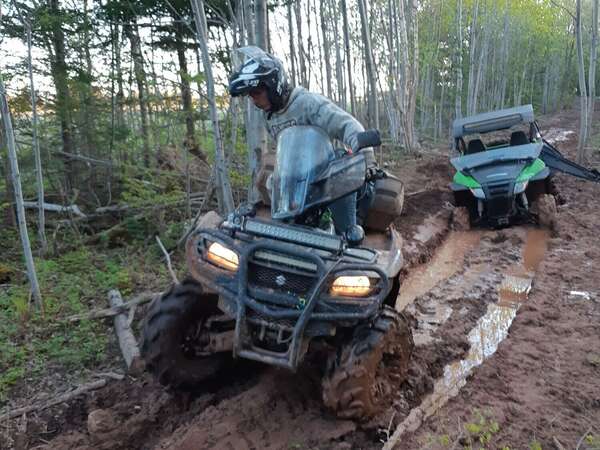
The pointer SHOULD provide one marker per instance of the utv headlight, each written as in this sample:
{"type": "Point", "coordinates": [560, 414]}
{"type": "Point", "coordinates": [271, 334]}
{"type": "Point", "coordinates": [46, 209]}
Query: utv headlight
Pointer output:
{"type": "Point", "coordinates": [520, 186]}
{"type": "Point", "coordinates": [351, 286]}
{"type": "Point", "coordinates": [478, 192]}
{"type": "Point", "coordinates": [222, 257]}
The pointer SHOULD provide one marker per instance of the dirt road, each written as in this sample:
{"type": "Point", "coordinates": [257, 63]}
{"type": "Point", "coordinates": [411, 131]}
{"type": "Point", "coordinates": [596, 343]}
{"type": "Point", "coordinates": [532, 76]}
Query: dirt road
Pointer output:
{"type": "Point", "coordinates": [507, 332]}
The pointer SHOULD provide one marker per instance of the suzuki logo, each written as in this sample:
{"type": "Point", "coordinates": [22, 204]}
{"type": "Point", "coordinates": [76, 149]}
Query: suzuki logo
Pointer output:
{"type": "Point", "coordinates": [280, 280]}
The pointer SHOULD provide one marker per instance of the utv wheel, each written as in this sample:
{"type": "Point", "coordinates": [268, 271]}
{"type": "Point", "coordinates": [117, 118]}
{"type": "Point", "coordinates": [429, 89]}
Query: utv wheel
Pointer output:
{"type": "Point", "coordinates": [361, 375]}
{"type": "Point", "coordinates": [172, 321]}
{"type": "Point", "coordinates": [545, 208]}
{"type": "Point", "coordinates": [461, 220]}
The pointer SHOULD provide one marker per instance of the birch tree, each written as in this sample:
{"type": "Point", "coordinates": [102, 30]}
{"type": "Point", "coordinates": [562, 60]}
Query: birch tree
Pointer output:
{"type": "Point", "coordinates": [592, 70]}
{"type": "Point", "coordinates": [582, 87]}
{"type": "Point", "coordinates": [224, 193]}
{"type": "Point", "coordinates": [16, 184]}
{"type": "Point", "coordinates": [34, 138]}
{"type": "Point", "coordinates": [366, 37]}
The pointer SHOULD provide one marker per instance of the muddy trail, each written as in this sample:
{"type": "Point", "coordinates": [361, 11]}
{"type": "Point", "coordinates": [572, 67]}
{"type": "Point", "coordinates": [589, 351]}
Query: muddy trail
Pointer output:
{"type": "Point", "coordinates": [504, 321]}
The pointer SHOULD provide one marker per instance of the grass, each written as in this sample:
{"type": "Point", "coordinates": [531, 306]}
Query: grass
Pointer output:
{"type": "Point", "coordinates": [34, 345]}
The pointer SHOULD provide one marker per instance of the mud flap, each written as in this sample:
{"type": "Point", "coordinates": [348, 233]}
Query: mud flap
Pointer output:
{"type": "Point", "coordinates": [556, 161]}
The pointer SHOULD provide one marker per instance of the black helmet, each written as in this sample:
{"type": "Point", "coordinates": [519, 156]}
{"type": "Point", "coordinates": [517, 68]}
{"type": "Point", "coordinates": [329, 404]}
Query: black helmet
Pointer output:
{"type": "Point", "coordinates": [261, 69]}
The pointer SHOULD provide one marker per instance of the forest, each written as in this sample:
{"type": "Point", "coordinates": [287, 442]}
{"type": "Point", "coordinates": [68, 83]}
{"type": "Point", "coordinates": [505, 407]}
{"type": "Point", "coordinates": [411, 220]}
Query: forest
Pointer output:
{"type": "Point", "coordinates": [117, 133]}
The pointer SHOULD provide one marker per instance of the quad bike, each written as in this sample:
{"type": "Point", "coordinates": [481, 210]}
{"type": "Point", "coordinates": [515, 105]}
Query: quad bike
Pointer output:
{"type": "Point", "coordinates": [507, 178]}
{"type": "Point", "coordinates": [275, 285]}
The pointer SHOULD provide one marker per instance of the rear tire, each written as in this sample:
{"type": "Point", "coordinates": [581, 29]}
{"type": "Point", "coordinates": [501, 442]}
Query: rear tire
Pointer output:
{"type": "Point", "coordinates": [166, 328]}
{"type": "Point", "coordinates": [360, 376]}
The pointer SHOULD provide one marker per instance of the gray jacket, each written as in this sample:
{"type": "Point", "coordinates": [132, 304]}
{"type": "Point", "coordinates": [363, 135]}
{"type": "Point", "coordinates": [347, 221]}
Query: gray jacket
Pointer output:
{"type": "Point", "coordinates": [307, 108]}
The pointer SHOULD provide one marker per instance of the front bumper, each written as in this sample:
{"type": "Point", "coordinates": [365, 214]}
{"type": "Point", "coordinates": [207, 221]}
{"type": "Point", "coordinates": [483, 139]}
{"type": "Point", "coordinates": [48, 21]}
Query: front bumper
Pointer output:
{"type": "Point", "coordinates": [280, 294]}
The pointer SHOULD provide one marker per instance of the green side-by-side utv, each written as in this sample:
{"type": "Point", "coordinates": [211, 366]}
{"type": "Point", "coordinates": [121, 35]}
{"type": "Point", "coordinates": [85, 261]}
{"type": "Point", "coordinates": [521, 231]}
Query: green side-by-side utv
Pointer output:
{"type": "Point", "coordinates": [504, 171]}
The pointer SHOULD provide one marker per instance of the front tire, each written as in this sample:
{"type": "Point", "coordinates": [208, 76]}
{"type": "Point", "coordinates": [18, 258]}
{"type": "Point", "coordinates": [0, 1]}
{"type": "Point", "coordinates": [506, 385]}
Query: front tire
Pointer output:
{"type": "Point", "coordinates": [171, 319]}
{"type": "Point", "coordinates": [361, 374]}
{"type": "Point", "coordinates": [545, 208]}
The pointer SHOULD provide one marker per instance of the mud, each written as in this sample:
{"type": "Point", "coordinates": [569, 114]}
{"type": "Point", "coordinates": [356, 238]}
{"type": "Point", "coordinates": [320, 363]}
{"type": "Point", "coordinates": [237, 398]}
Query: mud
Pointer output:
{"type": "Point", "coordinates": [490, 330]}
{"type": "Point", "coordinates": [540, 388]}
{"type": "Point", "coordinates": [505, 322]}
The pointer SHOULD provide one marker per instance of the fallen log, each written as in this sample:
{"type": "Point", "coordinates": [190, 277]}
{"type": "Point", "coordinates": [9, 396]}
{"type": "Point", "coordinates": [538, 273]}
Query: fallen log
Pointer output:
{"type": "Point", "coordinates": [140, 299]}
{"type": "Point", "coordinates": [55, 401]}
{"type": "Point", "coordinates": [127, 341]}
{"type": "Point", "coordinates": [85, 159]}
{"type": "Point", "coordinates": [73, 209]}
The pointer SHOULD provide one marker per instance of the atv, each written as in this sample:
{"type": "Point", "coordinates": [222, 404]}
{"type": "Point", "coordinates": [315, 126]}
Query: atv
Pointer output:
{"type": "Point", "coordinates": [277, 285]}
{"type": "Point", "coordinates": [505, 168]}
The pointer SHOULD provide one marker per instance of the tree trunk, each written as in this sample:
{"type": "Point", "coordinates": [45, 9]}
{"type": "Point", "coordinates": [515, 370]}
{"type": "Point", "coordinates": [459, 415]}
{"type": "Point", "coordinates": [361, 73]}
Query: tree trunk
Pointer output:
{"type": "Point", "coordinates": [366, 36]}
{"type": "Point", "coordinates": [582, 87]}
{"type": "Point", "coordinates": [186, 92]}
{"type": "Point", "coordinates": [592, 70]}
{"type": "Point", "coordinates": [58, 68]}
{"type": "Point", "coordinates": [326, 48]}
{"type": "Point", "coordinates": [459, 62]}
{"type": "Point", "coordinates": [348, 57]}
{"type": "Point", "coordinates": [339, 66]}
{"type": "Point", "coordinates": [223, 186]}
{"type": "Point", "coordinates": [301, 53]}
{"type": "Point", "coordinates": [472, 60]}
{"type": "Point", "coordinates": [292, 44]}
{"type": "Point", "coordinates": [36, 148]}
{"type": "Point", "coordinates": [131, 30]}
{"type": "Point", "coordinates": [16, 182]}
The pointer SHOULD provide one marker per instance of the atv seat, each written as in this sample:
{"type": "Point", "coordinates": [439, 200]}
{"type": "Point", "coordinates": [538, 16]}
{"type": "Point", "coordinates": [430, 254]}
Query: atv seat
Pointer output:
{"type": "Point", "coordinates": [518, 138]}
{"type": "Point", "coordinates": [475, 146]}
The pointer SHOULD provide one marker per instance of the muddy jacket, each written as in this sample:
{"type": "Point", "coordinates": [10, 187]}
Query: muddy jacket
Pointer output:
{"type": "Point", "coordinates": [307, 108]}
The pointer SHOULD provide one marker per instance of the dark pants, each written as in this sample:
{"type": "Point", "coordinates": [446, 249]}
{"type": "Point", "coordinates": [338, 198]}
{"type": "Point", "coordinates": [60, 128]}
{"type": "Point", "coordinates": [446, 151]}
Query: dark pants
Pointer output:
{"type": "Point", "coordinates": [345, 209]}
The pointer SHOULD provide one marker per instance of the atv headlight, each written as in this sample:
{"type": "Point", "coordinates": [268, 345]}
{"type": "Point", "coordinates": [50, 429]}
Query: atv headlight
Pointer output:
{"type": "Point", "coordinates": [520, 187]}
{"type": "Point", "coordinates": [478, 192]}
{"type": "Point", "coordinates": [351, 286]}
{"type": "Point", "coordinates": [222, 257]}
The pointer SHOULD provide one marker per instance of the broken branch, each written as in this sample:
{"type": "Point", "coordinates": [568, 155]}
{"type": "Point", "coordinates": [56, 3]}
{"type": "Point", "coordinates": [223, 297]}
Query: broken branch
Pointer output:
{"type": "Point", "coordinates": [73, 209]}
{"type": "Point", "coordinates": [60, 399]}
{"type": "Point", "coordinates": [168, 258]}
{"type": "Point", "coordinates": [144, 297]}
{"type": "Point", "coordinates": [127, 341]}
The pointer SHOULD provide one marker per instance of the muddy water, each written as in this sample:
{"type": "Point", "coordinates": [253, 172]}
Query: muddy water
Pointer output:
{"type": "Point", "coordinates": [446, 262]}
{"type": "Point", "coordinates": [484, 338]}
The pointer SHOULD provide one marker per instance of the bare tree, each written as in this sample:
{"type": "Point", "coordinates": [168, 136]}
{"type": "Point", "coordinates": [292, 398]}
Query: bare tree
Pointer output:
{"type": "Point", "coordinates": [348, 57]}
{"type": "Point", "coordinates": [132, 33]}
{"type": "Point", "coordinates": [35, 143]}
{"type": "Point", "coordinates": [366, 36]}
{"type": "Point", "coordinates": [592, 69]}
{"type": "Point", "coordinates": [223, 186]}
{"type": "Point", "coordinates": [16, 182]}
{"type": "Point", "coordinates": [459, 62]}
{"type": "Point", "coordinates": [582, 87]}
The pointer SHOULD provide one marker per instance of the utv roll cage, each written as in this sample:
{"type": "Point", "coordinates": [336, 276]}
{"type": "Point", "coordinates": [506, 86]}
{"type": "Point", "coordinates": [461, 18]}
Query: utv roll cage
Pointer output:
{"type": "Point", "coordinates": [494, 121]}
{"type": "Point", "coordinates": [504, 119]}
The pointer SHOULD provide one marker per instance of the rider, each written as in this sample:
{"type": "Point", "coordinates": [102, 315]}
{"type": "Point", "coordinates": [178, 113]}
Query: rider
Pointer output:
{"type": "Point", "coordinates": [263, 78]}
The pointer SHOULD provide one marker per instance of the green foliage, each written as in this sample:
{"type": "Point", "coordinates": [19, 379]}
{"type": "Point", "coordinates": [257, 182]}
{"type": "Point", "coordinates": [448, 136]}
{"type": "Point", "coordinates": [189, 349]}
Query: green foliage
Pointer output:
{"type": "Point", "coordinates": [32, 343]}
{"type": "Point", "coordinates": [592, 441]}
{"type": "Point", "coordinates": [535, 445]}
{"type": "Point", "coordinates": [481, 429]}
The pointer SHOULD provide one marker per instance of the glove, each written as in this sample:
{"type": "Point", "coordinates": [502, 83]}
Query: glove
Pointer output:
{"type": "Point", "coordinates": [374, 173]}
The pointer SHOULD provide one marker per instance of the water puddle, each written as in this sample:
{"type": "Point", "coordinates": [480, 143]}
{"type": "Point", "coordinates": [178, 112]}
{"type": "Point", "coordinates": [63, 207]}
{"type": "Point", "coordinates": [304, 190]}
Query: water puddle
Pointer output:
{"type": "Point", "coordinates": [447, 261]}
{"type": "Point", "coordinates": [491, 329]}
